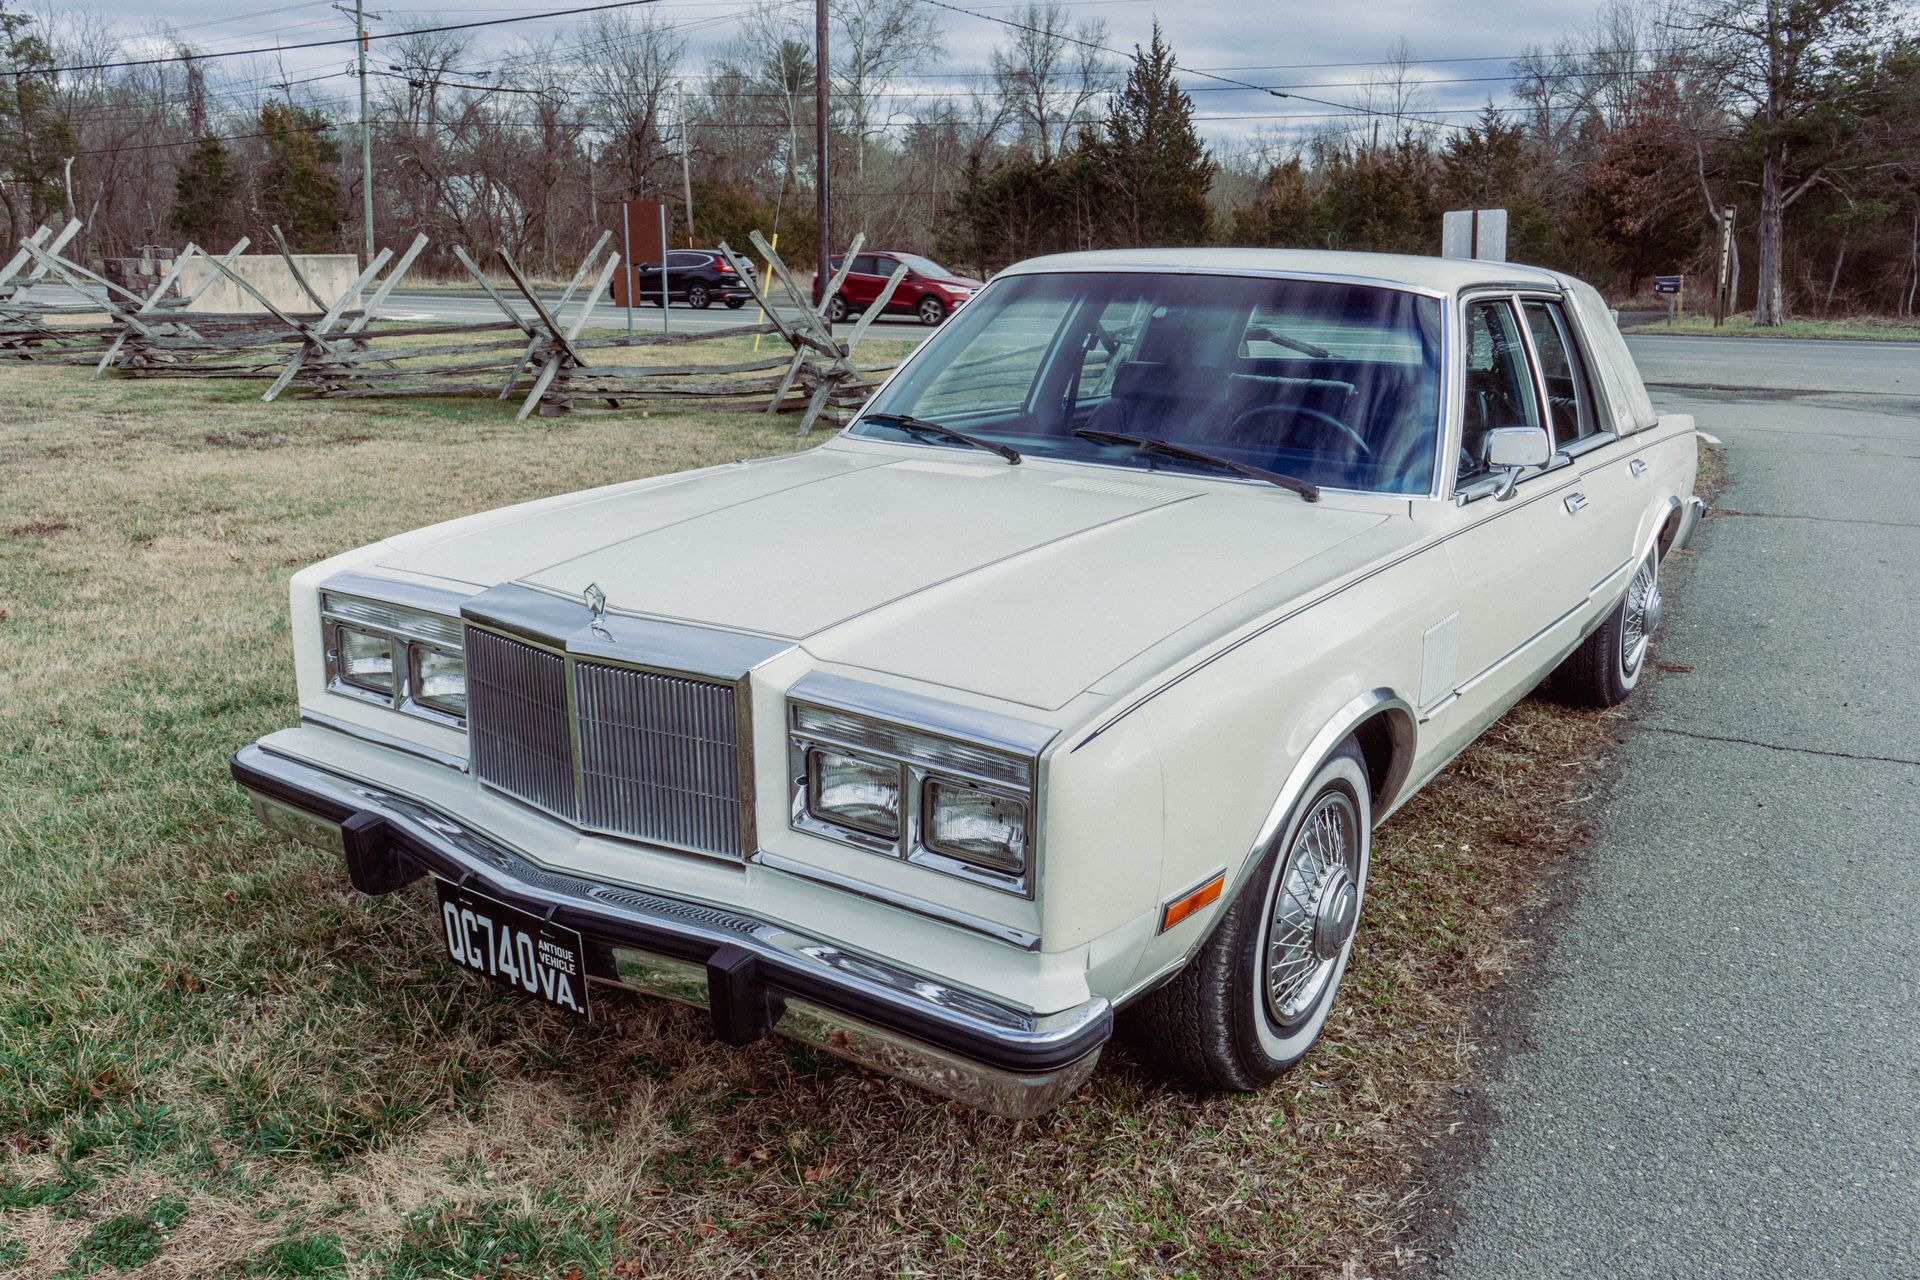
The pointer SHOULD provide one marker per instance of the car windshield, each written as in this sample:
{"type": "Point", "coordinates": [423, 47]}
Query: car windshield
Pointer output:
{"type": "Point", "coordinates": [923, 266]}
{"type": "Point", "coordinates": [1334, 384]}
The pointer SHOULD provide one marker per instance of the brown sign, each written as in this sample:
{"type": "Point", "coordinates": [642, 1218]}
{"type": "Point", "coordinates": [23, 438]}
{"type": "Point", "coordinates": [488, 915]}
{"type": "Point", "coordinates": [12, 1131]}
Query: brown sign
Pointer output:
{"type": "Point", "coordinates": [642, 232]}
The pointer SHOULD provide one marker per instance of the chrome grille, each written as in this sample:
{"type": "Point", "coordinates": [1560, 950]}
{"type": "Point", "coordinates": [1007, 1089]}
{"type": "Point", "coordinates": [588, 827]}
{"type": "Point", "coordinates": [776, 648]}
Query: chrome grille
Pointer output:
{"type": "Point", "coordinates": [659, 757]}
{"type": "Point", "coordinates": [517, 724]}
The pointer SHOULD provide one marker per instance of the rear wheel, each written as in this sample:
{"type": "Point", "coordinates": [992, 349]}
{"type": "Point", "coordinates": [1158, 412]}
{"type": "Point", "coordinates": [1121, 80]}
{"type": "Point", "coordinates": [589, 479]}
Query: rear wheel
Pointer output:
{"type": "Point", "coordinates": [1605, 670]}
{"type": "Point", "coordinates": [932, 311]}
{"type": "Point", "coordinates": [734, 304]}
{"type": "Point", "coordinates": [699, 297]}
{"type": "Point", "coordinates": [837, 309]}
{"type": "Point", "coordinates": [1255, 997]}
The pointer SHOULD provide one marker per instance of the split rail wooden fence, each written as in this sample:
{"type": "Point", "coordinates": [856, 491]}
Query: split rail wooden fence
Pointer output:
{"type": "Point", "coordinates": [350, 348]}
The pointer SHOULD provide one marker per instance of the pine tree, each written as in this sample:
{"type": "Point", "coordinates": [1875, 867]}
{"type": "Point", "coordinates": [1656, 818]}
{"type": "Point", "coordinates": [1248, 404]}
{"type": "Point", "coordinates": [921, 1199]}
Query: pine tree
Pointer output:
{"type": "Point", "coordinates": [298, 190]}
{"type": "Point", "coordinates": [206, 202]}
{"type": "Point", "coordinates": [1152, 164]}
{"type": "Point", "coordinates": [35, 140]}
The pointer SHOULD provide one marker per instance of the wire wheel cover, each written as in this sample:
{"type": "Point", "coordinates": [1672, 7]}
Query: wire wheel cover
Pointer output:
{"type": "Point", "coordinates": [1316, 903]}
{"type": "Point", "coordinates": [1642, 616]}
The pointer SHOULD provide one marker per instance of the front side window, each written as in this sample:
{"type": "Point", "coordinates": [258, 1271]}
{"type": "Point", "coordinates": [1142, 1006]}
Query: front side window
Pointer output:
{"type": "Point", "coordinates": [1570, 404]}
{"type": "Point", "coordinates": [1499, 384]}
{"type": "Point", "coordinates": [1335, 384]}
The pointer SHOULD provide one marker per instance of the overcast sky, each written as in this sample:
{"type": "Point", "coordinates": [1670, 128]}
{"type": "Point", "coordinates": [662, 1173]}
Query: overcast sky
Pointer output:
{"type": "Point", "coordinates": [1260, 41]}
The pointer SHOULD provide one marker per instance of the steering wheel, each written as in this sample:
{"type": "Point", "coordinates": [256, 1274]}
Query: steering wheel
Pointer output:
{"type": "Point", "coordinates": [1263, 411]}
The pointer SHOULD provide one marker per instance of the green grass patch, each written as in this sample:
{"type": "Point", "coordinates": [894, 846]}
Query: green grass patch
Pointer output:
{"type": "Point", "coordinates": [127, 1240]}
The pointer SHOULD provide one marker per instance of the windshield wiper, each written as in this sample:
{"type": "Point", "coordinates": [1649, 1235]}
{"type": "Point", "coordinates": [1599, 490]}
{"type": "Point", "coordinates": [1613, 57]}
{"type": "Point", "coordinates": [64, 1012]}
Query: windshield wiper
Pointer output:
{"type": "Point", "coordinates": [1279, 339]}
{"type": "Point", "coordinates": [920, 426]}
{"type": "Point", "coordinates": [1153, 444]}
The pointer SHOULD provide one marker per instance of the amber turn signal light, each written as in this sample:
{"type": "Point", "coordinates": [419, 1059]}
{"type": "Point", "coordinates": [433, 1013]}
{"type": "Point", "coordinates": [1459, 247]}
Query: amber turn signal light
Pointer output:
{"type": "Point", "coordinates": [1187, 903]}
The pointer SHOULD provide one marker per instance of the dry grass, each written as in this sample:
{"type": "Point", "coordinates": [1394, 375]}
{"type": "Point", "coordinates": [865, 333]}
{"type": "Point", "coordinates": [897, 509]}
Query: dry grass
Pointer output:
{"type": "Point", "coordinates": [1881, 328]}
{"type": "Point", "coordinates": [216, 1060]}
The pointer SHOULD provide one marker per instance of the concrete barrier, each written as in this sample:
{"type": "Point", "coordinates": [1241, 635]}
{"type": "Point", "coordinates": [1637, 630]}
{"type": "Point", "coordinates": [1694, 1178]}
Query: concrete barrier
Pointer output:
{"type": "Point", "coordinates": [330, 274]}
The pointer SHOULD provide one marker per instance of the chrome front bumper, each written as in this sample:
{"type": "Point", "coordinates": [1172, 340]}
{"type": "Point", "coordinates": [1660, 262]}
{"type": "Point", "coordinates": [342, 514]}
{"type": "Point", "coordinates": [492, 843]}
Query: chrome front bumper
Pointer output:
{"type": "Point", "coordinates": [755, 976]}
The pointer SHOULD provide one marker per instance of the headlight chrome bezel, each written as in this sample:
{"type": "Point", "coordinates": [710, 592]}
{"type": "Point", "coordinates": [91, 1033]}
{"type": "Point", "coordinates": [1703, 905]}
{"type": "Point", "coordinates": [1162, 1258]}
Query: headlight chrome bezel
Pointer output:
{"type": "Point", "coordinates": [930, 743]}
{"type": "Point", "coordinates": [408, 631]}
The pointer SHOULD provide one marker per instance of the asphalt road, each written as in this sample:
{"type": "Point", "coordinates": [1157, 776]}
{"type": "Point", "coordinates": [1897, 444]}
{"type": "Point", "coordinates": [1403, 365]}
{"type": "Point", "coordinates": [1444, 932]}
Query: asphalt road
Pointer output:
{"type": "Point", "coordinates": [1714, 1061]}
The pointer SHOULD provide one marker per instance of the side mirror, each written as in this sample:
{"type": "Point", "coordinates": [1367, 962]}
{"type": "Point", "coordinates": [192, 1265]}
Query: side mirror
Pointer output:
{"type": "Point", "coordinates": [1514, 449]}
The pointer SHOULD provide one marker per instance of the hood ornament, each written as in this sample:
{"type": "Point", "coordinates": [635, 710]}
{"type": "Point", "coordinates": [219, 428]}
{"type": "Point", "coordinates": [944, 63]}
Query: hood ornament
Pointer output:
{"type": "Point", "coordinates": [597, 603]}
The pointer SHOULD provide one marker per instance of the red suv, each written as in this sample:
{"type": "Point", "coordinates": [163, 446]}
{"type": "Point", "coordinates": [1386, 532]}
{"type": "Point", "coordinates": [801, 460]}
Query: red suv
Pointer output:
{"type": "Point", "coordinates": [930, 291]}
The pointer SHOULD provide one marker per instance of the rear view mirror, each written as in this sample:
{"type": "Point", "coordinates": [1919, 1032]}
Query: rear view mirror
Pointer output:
{"type": "Point", "coordinates": [1514, 449]}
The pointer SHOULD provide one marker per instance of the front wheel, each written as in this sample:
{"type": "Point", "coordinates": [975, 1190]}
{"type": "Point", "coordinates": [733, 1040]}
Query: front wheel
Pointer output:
{"type": "Point", "coordinates": [1605, 670]}
{"type": "Point", "coordinates": [1255, 997]}
{"type": "Point", "coordinates": [932, 311]}
{"type": "Point", "coordinates": [699, 298]}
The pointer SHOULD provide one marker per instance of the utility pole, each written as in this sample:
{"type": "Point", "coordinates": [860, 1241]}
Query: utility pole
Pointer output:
{"type": "Point", "coordinates": [823, 204]}
{"type": "Point", "coordinates": [686, 172]}
{"type": "Point", "coordinates": [360, 16]}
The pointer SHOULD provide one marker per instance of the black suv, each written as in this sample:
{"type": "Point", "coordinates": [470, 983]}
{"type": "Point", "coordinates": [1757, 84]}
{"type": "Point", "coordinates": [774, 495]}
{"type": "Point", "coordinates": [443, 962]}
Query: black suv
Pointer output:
{"type": "Point", "coordinates": [697, 277]}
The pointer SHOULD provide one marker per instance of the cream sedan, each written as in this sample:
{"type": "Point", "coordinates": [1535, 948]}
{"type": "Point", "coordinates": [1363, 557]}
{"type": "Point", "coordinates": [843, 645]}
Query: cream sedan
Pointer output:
{"type": "Point", "coordinates": [1068, 683]}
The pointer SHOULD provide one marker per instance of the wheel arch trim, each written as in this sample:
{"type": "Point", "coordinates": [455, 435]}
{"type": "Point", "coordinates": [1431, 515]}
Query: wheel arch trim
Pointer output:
{"type": "Point", "coordinates": [1401, 729]}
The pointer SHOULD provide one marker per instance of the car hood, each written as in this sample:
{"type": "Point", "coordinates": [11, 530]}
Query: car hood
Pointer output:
{"type": "Point", "coordinates": [1027, 583]}
{"type": "Point", "coordinates": [959, 282]}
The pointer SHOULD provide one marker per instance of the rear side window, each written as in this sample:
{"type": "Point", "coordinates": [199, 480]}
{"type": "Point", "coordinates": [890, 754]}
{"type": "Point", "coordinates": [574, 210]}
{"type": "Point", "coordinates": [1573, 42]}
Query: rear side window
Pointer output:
{"type": "Point", "coordinates": [1570, 406]}
{"type": "Point", "coordinates": [687, 259]}
{"type": "Point", "coordinates": [868, 265]}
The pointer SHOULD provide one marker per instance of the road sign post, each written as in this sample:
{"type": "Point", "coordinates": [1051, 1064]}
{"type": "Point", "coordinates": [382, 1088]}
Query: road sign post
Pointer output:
{"type": "Point", "coordinates": [626, 262]}
{"type": "Point", "coordinates": [1671, 287]}
{"type": "Point", "coordinates": [1721, 302]}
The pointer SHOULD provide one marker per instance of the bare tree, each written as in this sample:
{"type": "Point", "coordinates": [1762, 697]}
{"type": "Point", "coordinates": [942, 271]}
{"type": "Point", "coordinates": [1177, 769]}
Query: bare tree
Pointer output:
{"type": "Point", "coordinates": [629, 67]}
{"type": "Point", "coordinates": [1794, 67]}
{"type": "Point", "coordinates": [875, 42]}
{"type": "Point", "coordinates": [1051, 76]}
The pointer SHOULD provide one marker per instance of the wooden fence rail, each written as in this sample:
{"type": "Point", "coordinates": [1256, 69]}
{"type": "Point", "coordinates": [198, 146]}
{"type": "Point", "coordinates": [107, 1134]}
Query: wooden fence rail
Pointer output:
{"type": "Point", "coordinates": [542, 350]}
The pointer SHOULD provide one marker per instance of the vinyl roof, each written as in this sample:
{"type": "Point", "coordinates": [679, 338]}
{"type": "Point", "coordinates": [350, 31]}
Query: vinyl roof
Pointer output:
{"type": "Point", "coordinates": [1446, 275]}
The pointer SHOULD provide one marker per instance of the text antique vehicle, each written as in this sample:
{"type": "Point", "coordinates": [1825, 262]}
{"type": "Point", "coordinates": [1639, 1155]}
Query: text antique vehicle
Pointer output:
{"type": "Point", "coordinates": [1068, 682]}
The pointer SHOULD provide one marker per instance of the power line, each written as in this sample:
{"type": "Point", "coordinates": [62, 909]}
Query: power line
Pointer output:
{"type": "Point", "coordinates": [1244, 84]}
{"type": "Point", "coordinates": [323, 44]}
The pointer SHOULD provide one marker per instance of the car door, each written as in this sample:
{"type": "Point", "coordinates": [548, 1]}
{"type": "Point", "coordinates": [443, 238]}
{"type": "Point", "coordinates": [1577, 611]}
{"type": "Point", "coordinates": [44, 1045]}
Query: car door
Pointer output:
{"type": "Point", "coordinates": [683, 269]}
{"type": "Point", "coordinates": [1518, 595]}
{"type": "Point", "coordinates": [864, 281]}
{"type": "Point", "coordinates": [1608, 501]}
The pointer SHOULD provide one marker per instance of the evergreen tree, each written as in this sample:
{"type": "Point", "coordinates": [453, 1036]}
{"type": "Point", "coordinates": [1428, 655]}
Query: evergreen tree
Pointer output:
{"type": "Point", "coordinates": [206, 202]}
{"type": "Point", "coordinates": [1284, 213]}
{"type": "Point", "coordinates": [35, 140]}
{"type": "Point", "coordinates": [298, 190]}
{"type": "Point", "coordinates": [1150, 160]}
{"type": "Point", "coordinates": [1488, 165]}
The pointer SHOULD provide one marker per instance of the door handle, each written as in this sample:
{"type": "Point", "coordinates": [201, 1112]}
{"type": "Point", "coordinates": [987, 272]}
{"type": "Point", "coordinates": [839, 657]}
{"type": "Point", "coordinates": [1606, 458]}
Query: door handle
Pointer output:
{"type": "Point", "coordinates": [1576, 502]}
{"type": "Point", "coordinates": [1638, 466]}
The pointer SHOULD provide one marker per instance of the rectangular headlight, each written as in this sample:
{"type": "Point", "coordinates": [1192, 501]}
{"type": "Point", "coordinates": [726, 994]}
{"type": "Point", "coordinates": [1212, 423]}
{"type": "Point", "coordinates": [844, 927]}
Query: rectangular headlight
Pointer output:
{"type": "Point", "coordinates": [366, 660]}
{"type": "Point", "coordinates": [985, 828]}
{"type": "Point", "coordinates": [437, 678]}
{"type": "Point", "coordinates": [405, 659]}
{"type": "Point", "coordinates": [955, 794]}
{"type": "Point", "coordinates": [854, 791]}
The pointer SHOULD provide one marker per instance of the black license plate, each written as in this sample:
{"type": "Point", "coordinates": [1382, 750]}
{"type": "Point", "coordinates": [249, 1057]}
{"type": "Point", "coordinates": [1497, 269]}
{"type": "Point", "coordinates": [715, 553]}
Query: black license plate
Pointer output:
{"type": "Point", "coordinates": [514, 948]}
